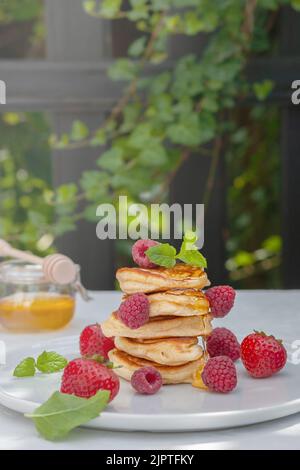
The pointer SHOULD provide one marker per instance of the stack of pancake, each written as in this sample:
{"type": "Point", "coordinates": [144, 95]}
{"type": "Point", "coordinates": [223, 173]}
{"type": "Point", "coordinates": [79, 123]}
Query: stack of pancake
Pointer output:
{"type": "Point", "coordinates": [179, 314]}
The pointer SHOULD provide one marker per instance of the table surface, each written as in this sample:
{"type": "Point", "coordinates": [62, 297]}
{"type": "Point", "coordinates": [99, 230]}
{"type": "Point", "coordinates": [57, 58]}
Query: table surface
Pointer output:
{"type": "Point", "coordinates": [275, 312]}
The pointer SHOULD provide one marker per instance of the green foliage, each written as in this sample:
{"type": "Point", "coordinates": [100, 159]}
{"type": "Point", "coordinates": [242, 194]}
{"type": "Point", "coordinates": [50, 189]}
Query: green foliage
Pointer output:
{"type": "Point", "coordinates": [29, 205]}
{"type": "Point", "coordinates": [24, 191]}
{"type": "Point", "coordinates": [263, 89]}
{"type": "Point", "coordinates": [48, 362]}
{"type": "Point", "coordinates": [168, 110]}
{"type": "Point", "coordinates": [177, 109]}
{"type": "Point", "coordinates": [20, 10]}
{"type": "Point", "coordinates": [181, 107]}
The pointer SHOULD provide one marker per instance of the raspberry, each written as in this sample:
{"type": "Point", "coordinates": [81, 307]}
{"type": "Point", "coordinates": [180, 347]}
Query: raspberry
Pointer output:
{"type": "Point", "coordinates": [85, 377]}
{"type": "Point", "coordinates": [93, 342]}
{"type": "Point", "coordinates": [221, 300]}
{"type": "Point", "coordinates": [262, 355]}
{"type": "Point", "coordinates": [134, 311]}
{"type": "Point", "coordinates": [146, 380]}
{"type": "Point", "coordinates": [138, 253]}
{"type": "Point", "coordinates": [219, 374]}
{"type": "Point", "coordinates": [222, 342]}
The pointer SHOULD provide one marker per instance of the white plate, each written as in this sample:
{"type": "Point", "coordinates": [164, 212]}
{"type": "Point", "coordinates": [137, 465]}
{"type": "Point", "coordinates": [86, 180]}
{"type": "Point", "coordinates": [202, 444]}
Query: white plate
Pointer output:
{"type": "Point", "coordinates": [174, 408]}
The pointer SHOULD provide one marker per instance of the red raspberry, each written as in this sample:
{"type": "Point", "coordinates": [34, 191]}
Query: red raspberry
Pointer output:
{"type": "Point", "coordinates": [221, 300]}
{"type": "Point", "coordinates": [146, 380]}
{"type": "Point", "coordinates": [219, 374]}
{"type": "Point", "coordinates": [222, 342]}
{"type": "Point", "coordinates": [93, 342]}
{"type": "Point", "coordinates": [138, 253]}
{"type": "Point", "coordinates": [134, 311]}
{"type": "Point", "coordinates": [262, 355]}
{"type": "Point", "coordinates": [85, 377]}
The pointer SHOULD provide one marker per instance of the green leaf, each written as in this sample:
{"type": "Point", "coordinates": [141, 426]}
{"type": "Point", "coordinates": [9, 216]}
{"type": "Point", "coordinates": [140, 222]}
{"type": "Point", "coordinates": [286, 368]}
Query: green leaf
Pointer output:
{"type": "Point", "coordinates": [137, 47]}
{"type": "Point", "coordinates": [139, 10]}
{"type": "Point", "coordinates": [193, 258]}
{"type": "Point", "coordinates": [160, 83]}
{"type": "Point", "coordinates": [162, 255]}
{"type": "Point", "coordinates": [99, 138]}
{"type": "Point", "coordinates": [140, 136]}
{"type": "Point", "coordinates": [26, 368]}
{"type": "Point", "coordinates": [153, 155]}
{"type": "Point", "coordinates": [186, 132]}
{"type": "Point", "coordinates": [50, 362]}
{"type": "Point", "coordinates": [131, 113]}
{"type": "Point", "coordinates": [61, 413]}
{"type": "Point", "coordinates": [89, 6]}
{"type": "Point", "coordinates": [273, 244]}
{"type": "Point", "coordinates": [263, 89]}
{"type": "Point", "coordinates": [66, 194]}
{"type": "Point", "coordinates": [112, 159]}
{"type": "Point", "coordinates": [79, 131]}
{"type": "Point", "coordinates": [122, 69]}
{"type": "Point", "coordinates": [244, 258]}
{"type": "Point", "coordinates": [189, 253]}
{"type": "Point", "coordinates": [110, 8]}
{"type": "Point", "coordinates": [296, 4]}
{"type": "Point", "coordinates": [95, 184]}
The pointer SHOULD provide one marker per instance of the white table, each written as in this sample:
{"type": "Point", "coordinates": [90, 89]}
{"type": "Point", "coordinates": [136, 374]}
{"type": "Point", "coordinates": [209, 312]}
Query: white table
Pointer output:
{"type": "Point", "coordinates": [276, 312]}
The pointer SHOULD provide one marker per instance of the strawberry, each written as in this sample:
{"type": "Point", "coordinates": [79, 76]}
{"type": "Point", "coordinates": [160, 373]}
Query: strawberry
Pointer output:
{"type": "Point", "coordinates": [85, 377]}
{"type": "Point", "coordinates": [262, 355]}
{"type": "Point", "coordinates": [93, 342]}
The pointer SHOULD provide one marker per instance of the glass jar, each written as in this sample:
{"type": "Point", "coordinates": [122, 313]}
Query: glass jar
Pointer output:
{"type": "Point", "coordinates": [29, 303]}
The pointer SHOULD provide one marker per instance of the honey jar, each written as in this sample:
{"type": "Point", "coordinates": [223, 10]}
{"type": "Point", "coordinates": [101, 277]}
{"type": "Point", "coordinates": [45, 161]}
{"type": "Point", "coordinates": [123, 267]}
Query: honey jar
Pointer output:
{"type": "Point", "coordinates": [29, 303]}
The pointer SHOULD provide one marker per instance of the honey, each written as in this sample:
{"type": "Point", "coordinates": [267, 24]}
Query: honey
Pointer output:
{"type": "Point", "coordinates": [27, 312]}
{"type": "Point", "coordinates": [30, 303]}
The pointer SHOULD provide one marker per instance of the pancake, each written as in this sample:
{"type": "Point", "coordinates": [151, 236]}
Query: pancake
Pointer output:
{"type": "Point", "coordinates": [160, 327]}
{"type": "Point", "coordinates": [168, 351]}
{"type": "Point", "coordinates": [170, 374]}
{"type": "Point", "coordinates": [182, 276]}
{"type": "Point", "coordinates": [178, 302]}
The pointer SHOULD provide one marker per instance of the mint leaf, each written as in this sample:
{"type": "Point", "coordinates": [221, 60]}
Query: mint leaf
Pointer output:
{"type": "Point", "coordinates": [193, 258]}
{"type": "Point", "coordinates": [61, 413]}
{"type": "Point", "coordinates": [49, 362]}
{"type": "Point", "coordinates": [162, 255]}
{"type": "Point", "coordinates": [26, 368]}
{"type": "Point", "coordinates": [189, 253]}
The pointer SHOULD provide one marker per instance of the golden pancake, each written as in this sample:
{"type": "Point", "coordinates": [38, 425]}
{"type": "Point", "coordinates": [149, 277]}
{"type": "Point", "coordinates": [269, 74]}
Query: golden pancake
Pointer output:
{"type": "Point", "coordinates": [178, 302]}
{"type": "Point", "coordinates": [168, 351]}
{"type": "Point", "coordinates": [182, 276]}
{"type": "Point", "coordinates": [160, 327]}
{"type": "Point", "coordinates": [170, 374]}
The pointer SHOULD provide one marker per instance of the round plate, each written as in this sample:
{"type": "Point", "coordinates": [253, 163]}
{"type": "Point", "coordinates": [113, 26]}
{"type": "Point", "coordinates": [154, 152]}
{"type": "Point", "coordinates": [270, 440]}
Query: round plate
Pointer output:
{"type": "Point", "coordinates": [174, 408]}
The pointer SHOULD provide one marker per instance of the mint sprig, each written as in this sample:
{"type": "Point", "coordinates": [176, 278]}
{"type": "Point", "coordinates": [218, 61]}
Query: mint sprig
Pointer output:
{"type": "Point", "coordinates": [165, 255]}
{"type": "Point", "coordinates": [162, 255]}
{"type": "Point", "coordinates": [189, 253]}
{"type": "Point", "coordinates": [61, 413]}
{"type": "Point", "coordinates": [47, 363]}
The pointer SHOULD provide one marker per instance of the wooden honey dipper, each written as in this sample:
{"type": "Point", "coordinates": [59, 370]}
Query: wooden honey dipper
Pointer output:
{"type": "Point", "coordinates": [58, 269]}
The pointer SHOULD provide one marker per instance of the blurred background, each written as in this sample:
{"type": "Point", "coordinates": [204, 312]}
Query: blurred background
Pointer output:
{"type": "Point", "coordinates": [162, 100]}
